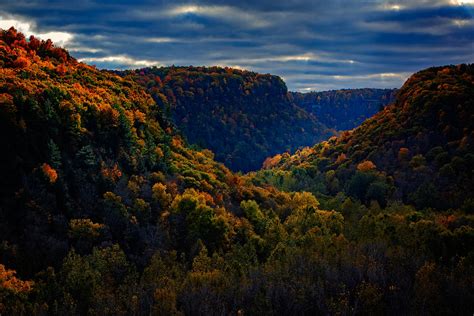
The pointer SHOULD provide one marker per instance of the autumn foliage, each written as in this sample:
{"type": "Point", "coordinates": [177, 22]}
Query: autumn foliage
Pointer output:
{"type": "Point", "coordinates": [242, 116]}
{"type": "Point", "coordinates": [49, 172]}
{"type": "Point", "coordinates": [366, 166]}
{"type": "Point", "coordinates": [107, 210]}
{"type": "Point", "coordinates": [9, 281]}
{"type": "Point", "coordinates": [13, 291]}
{"type": "Point", "coordinates": [421, 144]}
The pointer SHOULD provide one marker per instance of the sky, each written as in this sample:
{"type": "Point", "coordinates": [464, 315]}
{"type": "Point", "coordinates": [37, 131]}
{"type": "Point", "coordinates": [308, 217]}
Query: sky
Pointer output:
{"type": "Point", "coordinates": [312, 44]}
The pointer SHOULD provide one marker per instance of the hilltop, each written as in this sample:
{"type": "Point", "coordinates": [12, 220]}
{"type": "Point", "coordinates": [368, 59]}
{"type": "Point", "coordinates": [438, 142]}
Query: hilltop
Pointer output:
{"type": "Point", "coordinates": [418, 149]}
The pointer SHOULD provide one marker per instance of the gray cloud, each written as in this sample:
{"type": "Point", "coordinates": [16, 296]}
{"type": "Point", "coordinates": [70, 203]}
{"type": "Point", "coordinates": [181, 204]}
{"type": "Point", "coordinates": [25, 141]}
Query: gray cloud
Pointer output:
{"type": "Point", "coordinates": [313, 45]}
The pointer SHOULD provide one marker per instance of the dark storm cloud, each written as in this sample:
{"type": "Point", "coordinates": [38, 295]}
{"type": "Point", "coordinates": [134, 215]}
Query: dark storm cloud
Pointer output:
{"type": "Point", "coordinates": [311, 44]}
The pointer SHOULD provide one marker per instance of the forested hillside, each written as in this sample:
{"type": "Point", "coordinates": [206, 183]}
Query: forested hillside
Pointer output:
{"type": "Point", "coordinates": [419, 149]}
{"type": "Point", "coordinates": [242, 116]}
{"type": "Point", "coordinates": [91, 169]}
{"type": "Point", "coordinates": [245, 117]}
{"type": "Point", "coordinates": [344, 109]}
{"type": "Point", "coordinates": [105, 209]}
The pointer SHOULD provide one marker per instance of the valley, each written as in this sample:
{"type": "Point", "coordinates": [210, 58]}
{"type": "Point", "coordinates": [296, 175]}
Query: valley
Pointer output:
{"type": "Point", "coordinates": [143, 191]}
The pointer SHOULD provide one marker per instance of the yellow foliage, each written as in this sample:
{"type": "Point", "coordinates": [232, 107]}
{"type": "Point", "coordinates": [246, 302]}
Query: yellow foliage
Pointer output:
{"type": "Point", "coordinates": [160, 195]}
{"type": "Point", "coordinates": [84, 227]}
{"type": "Point", "coordinates": [304, 200]}
{"type": "Point", "coordinates": [135, 184]}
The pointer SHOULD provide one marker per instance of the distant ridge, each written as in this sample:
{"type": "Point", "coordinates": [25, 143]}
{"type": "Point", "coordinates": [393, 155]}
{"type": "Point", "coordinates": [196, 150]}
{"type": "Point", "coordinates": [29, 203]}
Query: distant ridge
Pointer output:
{"type": "Point", "coordinates": [344, 109]}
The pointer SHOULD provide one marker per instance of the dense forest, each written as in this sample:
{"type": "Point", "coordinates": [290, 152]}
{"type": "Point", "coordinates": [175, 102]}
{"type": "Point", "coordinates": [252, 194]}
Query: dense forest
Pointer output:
{"type": "Point", "coordinates": [106, 210]}
{"type": "Point", "coordinates": [344, 109]}
{"type": "Point", "coordinates": [419, 150]}
{"type": "Point", "coordinates": [243, 117]}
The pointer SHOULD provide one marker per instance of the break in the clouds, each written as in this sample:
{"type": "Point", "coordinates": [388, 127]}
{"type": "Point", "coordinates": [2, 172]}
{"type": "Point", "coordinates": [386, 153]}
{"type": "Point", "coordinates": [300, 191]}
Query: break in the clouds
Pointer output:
{"type": "Point", "coordinates": [313, 45]}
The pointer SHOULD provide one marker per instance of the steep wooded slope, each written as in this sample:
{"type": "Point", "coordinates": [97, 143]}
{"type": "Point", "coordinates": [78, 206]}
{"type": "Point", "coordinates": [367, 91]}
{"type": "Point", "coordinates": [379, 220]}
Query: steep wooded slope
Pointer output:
{"type": "Point", "coordinates": [104, 210]}
{"type": "Point", "coordinates": [243, 117]}
{"type": "Point", "coordinates": [87, 156]}
{"type": "Point", "coordinates": [419, 149]}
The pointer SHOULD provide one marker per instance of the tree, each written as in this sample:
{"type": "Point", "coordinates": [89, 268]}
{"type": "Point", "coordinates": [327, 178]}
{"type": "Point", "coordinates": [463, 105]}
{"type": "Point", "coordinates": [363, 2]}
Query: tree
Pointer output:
{"type": "Point", "coordinates": [54, 154]}
{"type": "Point", "coordinates": [86, 156]}
{"type": "Point", "coordinates": [359, 183]}
{"type": "Point", "coordinates": [49, 172]}
{"type": "Point", "coordinates": [193, 218]}
{"type": "Point", "coordinates": [160, 195]}
{"type": "Point", "coordinates": [13, 292]}
{"type": "Point", "coordinates": [366, 165]}
{"type": "Point", "coordinates": [253, 213]}
{"type": "Point", "coordinates": [101, 281]}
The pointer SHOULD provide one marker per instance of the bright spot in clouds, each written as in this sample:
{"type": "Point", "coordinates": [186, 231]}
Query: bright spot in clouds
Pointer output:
{"type": "Point", "coordinates": [396, 7]}
{"type": "Point", "coordinates": [161, 40]}
{"type": "Point", "coordinates": [462, 2]}
{"type": "Point", "coordinates": [122, 60]}
{"type": "Point", "coordinates": [313, 44]}
{"type": "Point", "coordinates": [58, 38]}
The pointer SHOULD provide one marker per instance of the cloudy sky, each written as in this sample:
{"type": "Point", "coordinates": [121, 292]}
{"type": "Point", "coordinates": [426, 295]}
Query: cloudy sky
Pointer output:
{"type": "Point", "coordinates": [312, 44]}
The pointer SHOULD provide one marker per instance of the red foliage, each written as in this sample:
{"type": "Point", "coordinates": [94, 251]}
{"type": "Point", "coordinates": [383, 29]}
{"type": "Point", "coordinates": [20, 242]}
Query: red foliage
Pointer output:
{"type": "Point", "coordinates": [34, 43]}
{"type": "Point", "coordinates": [21, 62]}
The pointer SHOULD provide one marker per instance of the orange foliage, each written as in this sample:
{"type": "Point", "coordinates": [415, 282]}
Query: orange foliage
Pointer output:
{"type": "Point", "coordinates": [341, 158]}
{"type": "Point", "coordinates": [9, 281]}
{"type": "Point", "coordinates": [446, 220]}
{"type": "Point", "coordinates": [271, 162]}
{"type": "Point", "coordinates": [403, 153]}
{"type": "Point", "coordinates": [49, 172]}
{"type": "Point", "coordinates": [366, 166]}
{"type": "Point", "coordinates": [159, 152]}
{"type": "Point", "coordinates": [21, 62]}
{"type": "Point", "coordinates": [139, 116]}
{"type": "Point", "coordinates": [61, 69]}
{"type": "Point", "coordinates": [177, 142]}
{"type": "Point", "coordinates": [113, 173]}
{"type": "Point", "coordinates": [6, 98]}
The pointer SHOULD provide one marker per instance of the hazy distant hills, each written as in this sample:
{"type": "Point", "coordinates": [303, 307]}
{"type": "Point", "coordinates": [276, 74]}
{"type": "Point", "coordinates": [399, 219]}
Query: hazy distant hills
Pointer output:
{"type": "Point", "coordinates": [344, 109]}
